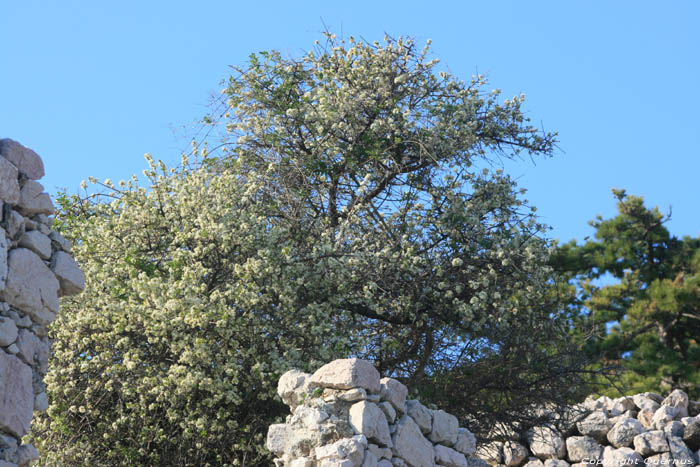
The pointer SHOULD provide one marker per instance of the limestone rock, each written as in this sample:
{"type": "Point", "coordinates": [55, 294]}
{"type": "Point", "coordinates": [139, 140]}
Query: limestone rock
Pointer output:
{"type": "Point", "coordinates": [352, 449]}
{"type": "Point", "coordinates": [381, 453]}
{"type": "Point", "coordinates": [37, 242]}
{"type": "Point", "coordinates": [623, 404]}
{"type": "Point", "coordinates": [31, 286]}
{"type": "Point", "coordinates": [642, 401]}
{"type": "Point", "coordinates": [3, 258]}
{"type": "Point", "coordinates": [420, 414]}
{"type": "Point", "coordinates": [69, 275]}
{"type": "Point", "coordinates": [623, 433]}
{"type": "Point", "coordinates": [301, 462]}
{"type": "Point", "coordinates": [514, 453]}
{"type": "Point", "coordinates": [26, 454]}
{"type": "Point", "coordinates": [491, 452]}
{"type": "Point", "coordinates": [448, 457]}
{"type": "Point", "coordinates": [368, 419]}
{"type": "Point", "coordinates": [384, 463]}
{"type": "Point", "coordinates": [665, 414]}
{"type": "Point", "coordinates": [651, 442]}
{"type": "Point", "coordinates": [533, 462]}
{"type": "Point", "coordinates": [691, 433]}
{"type": "Point", "coordinates": [308, 417]}
{"type": "Point", "coordinates": [389, 411]}
{"type": "Point", "coordinates": [276, 438]}
{"type": "Point", "coordinates": [621, 457]}
{"type": "Point", "coordinates": [679, 451]}
{"type": "Point", "coordinates": [675, 428]}
{"type": "Point", "coordinates": [596, 425]}
{"type": "Point", "coordinates": [8, 331]}
{"type": "Point", "coordinates": [291, 386]}
{"type": "Point", "coordinates": [411, 445]}
{"type": "Point", "coordinates": [646, 417]}
{"type": "Point", "coordinates": [555, 463]}
{"type": "Point", "coordinates": [476, 462]}
{"type": "Point", "coordinates": [677, 399]}
{"type": "Point", "coordinates": [27, 161]}
{"type": "Point", "coordinates": [9, 186]}
{"type": "Point", "coordinates": [14, 225]}
{"type": "Point", "coordinates": [41, 402]}
{"type": "Point", "coordinates": [659, 460]}
{"type": "Point", "coordinates": [33, 200]}
{"type": "Point", "coordinates": [33, 350]}
{"type": "Point", "coordinates": [16, 395]}
{"type": "Point", "coordinates": [546, 443]}
{"type": "Point", "coordinates": [444, 430]}
{"type": "Point", "coordinates": [59, 241]}
{"type": "Point", "coordinates": [347, 373]}
{"type": "Point", "coordinates": [581, 448]}
{"type": "Point", "coordinates": [370, 460]}
{"type": "Point", "coordinates": [466, 442]}
{"type": "Point", "coordinates": [394, 392]}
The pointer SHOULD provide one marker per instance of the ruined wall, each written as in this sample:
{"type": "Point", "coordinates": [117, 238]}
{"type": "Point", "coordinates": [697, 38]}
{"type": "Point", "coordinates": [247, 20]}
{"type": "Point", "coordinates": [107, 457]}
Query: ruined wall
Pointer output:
{"type": "Point", "coordinates": [344, 415]}
{"type": "Point", "coordinates": [36, 268]}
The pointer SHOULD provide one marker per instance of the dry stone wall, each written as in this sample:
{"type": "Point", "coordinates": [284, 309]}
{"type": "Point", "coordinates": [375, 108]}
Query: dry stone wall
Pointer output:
{"type": "Point", "coordinates": [36, 268]}
{"type": "Point", "coordinates": [345, 415]}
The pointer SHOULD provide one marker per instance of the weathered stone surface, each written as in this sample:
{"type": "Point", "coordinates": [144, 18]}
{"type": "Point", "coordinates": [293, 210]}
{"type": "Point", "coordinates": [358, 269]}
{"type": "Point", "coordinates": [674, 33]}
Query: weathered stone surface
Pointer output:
{"type": "Point", "coordinates": [476, 462]}
{"type": "Point", "coordinates": [665, 414]}
{"type": "Point", "coordinates": [514, 453]}
{"type": "Point", "coordinates": [60, 242]}
{"type": "Point", "coordinates": [555, 463]}
{"type": "Point", "coordinates": [366, 418]}
{"type": "Point", "coordinates": [621, 457]}
{"type": "Point", "coordinates": [691, 433]}
{"type": "Point", "coordinates": [623, 404]}
{"type": "Point", "coordinates": [352, 449]}
{"type": "Point", "coordinates": [491, 452]}
{"type": "Point", "coordinates": [389, 411]}
{"type": "Point", "coordinates": [384, 463]}
{"type": "Point", "coordinates": [33, 200]}
{"type": "Point", "coordinates": [14, 225]}
{"type": "Point", "coordinates": [27, 161]}
{"type": "Point", "coordinates": [26, 454]}
{"type": "Point", "coordinates": [276, 438]}
{"type": "Point", "coordinates": [302, 462]}
{"type": "Point", "coordinates": [677, 399]}
{"type": "Point", "coordinates": [411, 445]}
{"type": "Point", "coordinates": [394, 392]}
{"type": "Point", "coordinates": [4, 243]}
{"type": "Point", "coordinates": [623, 433]}
{"type": "Point", "coordinates": [533, 462]}
{"type": "Point", "coordinates": [347, 374]}
{"type": "Point", "coordinates": [420, 414]}
{"type": "Point", "coordinates": [596, 425]}
{"type": "Point", "coordinates": [642, 401]}
{"type": "Point", "coordinates": [290, 386]}
{"type": "Point", "coordinates": [33, 350]}
{"type": "Point", "coordinates": [646, 417]}
{"type": "Point", "coordinates": [381, 453]}
{"type": "Point", "coordinates": [546, 443]}
{"type": "Point", "coordinates": [466, 442]}
{"type": "Point", "coordinates": [651, 442]}
{"type": "Point", "coordinates": [444, 430]}
{"type": "Point", "coordinates": [664, 459]}
{"type": "Point", "coordinates": [41, 402]}
{"type": "Point", "coordinates": [68, 273]}
{"type": "Point", "coordinates": [675, 428]}
{"type": "Point", "coordinates": [679, 451]}
{"type": "Point", "coordinates": [31, 286]}
{"type": "Point", "coordinates": [580, 448]}
{"type": "Point", "coordinates": [308, 417]}
{"type": "Point", "coordinates": [370, 460]}
{"type": "Point", "coordinates": [8, 331]}
{"type": "Point", "coordinates": [16, 395]}
{"type": "Point", "coordinates": [9, 186]}
{"type": "Point", "coordinates": [449, 457]}
{"type": "Point", "coordinates": [37, 242]}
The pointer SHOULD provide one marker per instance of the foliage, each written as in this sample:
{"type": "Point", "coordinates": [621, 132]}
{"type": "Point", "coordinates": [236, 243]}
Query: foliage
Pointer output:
{"type": "Point", "coordinates": [343, 216]}
{"type": "Point", "coordinates": [648, 319]}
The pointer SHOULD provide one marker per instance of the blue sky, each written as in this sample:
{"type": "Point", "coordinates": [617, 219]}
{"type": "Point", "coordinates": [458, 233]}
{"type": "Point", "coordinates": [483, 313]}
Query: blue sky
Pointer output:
{"type": "Point", "coordinates": [93, 85]}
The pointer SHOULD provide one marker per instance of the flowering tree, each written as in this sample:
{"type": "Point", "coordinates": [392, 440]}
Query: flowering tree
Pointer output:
{"type": "Point", "coordinates": [348, 212]}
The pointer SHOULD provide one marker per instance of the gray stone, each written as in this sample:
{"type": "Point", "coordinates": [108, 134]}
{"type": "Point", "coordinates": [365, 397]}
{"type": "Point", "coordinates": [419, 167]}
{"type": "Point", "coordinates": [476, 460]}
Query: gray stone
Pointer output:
{"type": "Point", "coordinates": [444, 430]}
{"type": "Point", "coordinates": [16, 395]}
{"type": "Point", "coordinates": [370, 460]}
{"type": "Point", "coordinates": [411, 445]}
{"type": "Point", "coordinates": [276, 438]}
{"type": "Point", "coordinates": [384, 463]}
{"type": "Point", "coordinates": [420, 414]}
{"type": "Point", "coordinates": [347, 373]}
{"type": "Point", "coordinates": [646, 417]}
{"type": "Point", "coordinates": [8, 331]}
{"type": "Point", "coordinates": [623, 404]}
{"type": "Point", "coordinates": [642, 401]}
{"type": "Point", "coordinates": [26, 454]}
{"type": "Point", "coordinates": [59, 241]}
{"type": "Point", "coordinates": [677, 399]}
{"type": "Point", "coordinates": [381, 453]}
{"type": "Point", "coordinates": [664, 459]}
{"type": "Point", "coordinates": [533, 462]}
{"type": "Point", "coordinates": [31, 286]}
{"type": "Point", "coordinates": [9, 186]}
{"type": "Point", "coordinates": [546, 443]}
{"type": "Point", "coordinates": [27, 161]}
{"type": "Point", "coordinates": [352, 449]}
{"type": "Point", "coordinates": [33, 199]}
{"type": "Point", "coordinates": [596, 425]}
{"type": "Point", "coordinates": [466, 442]}
{"type": "Point", "coordinates": [691, 433]}
{"type": "Point", "coordinates": [394, 392]}
{"type": "Point", "coordinates": [448, 457]}
{"type": "Point", "coordinates": [290, 386]}
{"type": "Point", "coordinates": [651, 442]}
{"type": "Point", "coordinates": [675, 428]}
{"type": "Point", "coordinates": [4, 243]}
{"type": "Point", "coordinates": [14, 225]}
{"type": "Point", "coordinates": [351, 395]}
{"type": "Point", "coordinates": [37, 242]}
{"type": "Point", "coordinates": [665, 414]}
{"type": "Point", "coordinates": [581, 448]}
{"type": "Point", "coordinates": [366, 418]}
{"type": "Point", "coordinates": [491, 452]}
{"type": "Point", "coordinates": [623, 433]}
{"type": "Point", "coordinates": [621, 457]}
{"type": "Point", "coordinates": [308, 417]}
{"type": "Point", "coordinates": [68, 273]}
{"type": "Point", "coordinates": [514, 453]}
{"type": "Point", "coordinates": [389, 411]}
{"type": "Point", "coordinates": [555, 463]}
{"type": "Point", "coordinates": [33, 350]}
{"type": "Point", "coordinates": [679, 451]}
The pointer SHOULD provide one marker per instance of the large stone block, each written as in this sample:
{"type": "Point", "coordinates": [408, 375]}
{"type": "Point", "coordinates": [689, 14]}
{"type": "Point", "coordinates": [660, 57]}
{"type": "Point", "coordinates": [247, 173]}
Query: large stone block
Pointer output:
{"type": "Point", "coordinates": [68, 273]}
{"type": "Point", "coordinates": [347, 374]}
{"type": "Point", "coordinates": [9, 186]}
{"type": "Point", "coordinates": [16, 395]}
{"type": "Point", "coordinates": [33, 200]}
{"type": "Point", "coordinates": [651, 442]}
{"type": "Point", "coordinates": [368, 419]}
{"type": "Point", "coordinates": [31, 286]}
{"type": "Point", "coordinates": [420, 414]}
{"type": "Point", "coordinates": [444, 429]}
{"type": "Point", "coordinates": [580, 448]}
{"type": "Point", "coordinates": [449, 457]}
{"type": "Point", "coordinates": [27, 161]}
{"type": "Point", "coordinates": [410, 444]}
{"type": "Point", "coordinates": [546, 443]}
{"type": "Point", "coordinates": [623, 433]}
{"type": "Point", "coordinates": [596, 425]}
{"type": "Point", "coordinates": [394, 392]}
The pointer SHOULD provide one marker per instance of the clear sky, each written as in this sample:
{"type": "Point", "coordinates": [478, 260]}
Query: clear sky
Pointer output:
{"type": "Point", "coordinates": [93, 85]}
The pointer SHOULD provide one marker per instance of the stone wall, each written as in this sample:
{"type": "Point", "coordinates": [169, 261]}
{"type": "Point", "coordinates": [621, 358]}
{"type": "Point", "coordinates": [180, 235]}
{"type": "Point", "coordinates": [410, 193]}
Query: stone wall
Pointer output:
{"type": "Point", "coordinates": [36, 268]}
{"type": "Point", "coordinates": [345, 415]}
